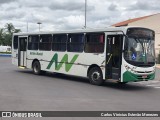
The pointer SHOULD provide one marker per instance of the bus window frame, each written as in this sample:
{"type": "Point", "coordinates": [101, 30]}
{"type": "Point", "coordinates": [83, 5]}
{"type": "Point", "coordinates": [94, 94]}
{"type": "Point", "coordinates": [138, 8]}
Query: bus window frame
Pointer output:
{"type": "Point", "coordinates": [94, 43]}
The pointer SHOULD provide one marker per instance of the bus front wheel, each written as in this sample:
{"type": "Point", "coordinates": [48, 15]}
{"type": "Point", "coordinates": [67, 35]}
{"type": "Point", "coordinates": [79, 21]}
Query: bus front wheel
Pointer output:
{"type": "Point", "coordinates": [95, 76]}
{"type": "Point", "coordinates": [36, 68]}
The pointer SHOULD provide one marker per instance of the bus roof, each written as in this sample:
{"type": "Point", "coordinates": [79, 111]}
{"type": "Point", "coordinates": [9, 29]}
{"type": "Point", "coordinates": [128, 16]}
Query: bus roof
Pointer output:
{"type": "Point", "coordinates": [109, 29]}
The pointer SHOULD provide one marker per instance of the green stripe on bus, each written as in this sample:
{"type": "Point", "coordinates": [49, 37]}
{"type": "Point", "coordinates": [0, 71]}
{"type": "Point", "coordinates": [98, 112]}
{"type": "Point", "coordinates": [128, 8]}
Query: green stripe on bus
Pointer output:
{"type": "Point", "coordinates": [64, 60]}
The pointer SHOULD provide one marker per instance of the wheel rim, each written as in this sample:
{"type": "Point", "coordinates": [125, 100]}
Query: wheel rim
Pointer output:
{"type": "Point", "coordinates": [95, 76]}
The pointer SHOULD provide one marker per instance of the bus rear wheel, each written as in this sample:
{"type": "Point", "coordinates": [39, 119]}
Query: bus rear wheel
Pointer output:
{"type": "Point", "coordinates": [36, 68]}
{"type": "Point", "coordinates": [95, 76]}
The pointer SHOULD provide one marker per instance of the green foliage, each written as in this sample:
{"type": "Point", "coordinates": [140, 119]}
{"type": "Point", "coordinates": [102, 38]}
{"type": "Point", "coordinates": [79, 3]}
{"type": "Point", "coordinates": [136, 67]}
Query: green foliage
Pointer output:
{"type": "Point", "coordinates": [5, 52]}
{"type": "Point", "coordinates": [1, 36]}
{"type": "Point", "coordinates": [6, 34]}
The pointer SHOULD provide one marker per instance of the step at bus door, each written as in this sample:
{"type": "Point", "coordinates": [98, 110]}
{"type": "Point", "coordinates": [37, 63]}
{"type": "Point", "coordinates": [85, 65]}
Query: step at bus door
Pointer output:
{"type": "Point", "coordinates": [114, 56]}
{"type": "Point", "coordinates": [22, 51]}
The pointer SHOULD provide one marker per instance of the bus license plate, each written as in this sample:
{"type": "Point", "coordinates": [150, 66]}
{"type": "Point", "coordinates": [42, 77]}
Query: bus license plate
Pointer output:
{"type": "Point", "coordinates": [144, 76]}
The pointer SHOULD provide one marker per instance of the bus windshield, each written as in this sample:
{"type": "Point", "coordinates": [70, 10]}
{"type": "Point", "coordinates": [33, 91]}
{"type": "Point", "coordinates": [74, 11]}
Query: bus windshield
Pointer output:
{"type": "Point", "coordinates": [139, 47]}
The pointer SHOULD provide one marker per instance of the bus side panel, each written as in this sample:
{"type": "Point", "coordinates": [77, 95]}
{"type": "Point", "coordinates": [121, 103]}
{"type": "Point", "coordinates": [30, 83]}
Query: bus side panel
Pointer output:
{"type": "Point", "coordinates": [66, 62]}
{"type": "Point", "coordinates": [15, 56]}
{"type": "Point", "coordinates": [29, 63]}
{"type": "Point", "coordinates": [76, 64]}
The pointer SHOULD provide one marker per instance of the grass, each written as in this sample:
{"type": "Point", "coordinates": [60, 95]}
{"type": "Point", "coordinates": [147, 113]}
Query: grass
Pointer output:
{"type": "Point", "coordinates": [5, 52]}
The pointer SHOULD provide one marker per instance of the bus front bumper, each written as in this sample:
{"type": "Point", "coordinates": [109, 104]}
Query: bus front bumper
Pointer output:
{"type": "Point", "coordinates": [130, 77]}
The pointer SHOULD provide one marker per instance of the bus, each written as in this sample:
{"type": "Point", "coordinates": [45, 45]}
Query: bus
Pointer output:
{"type": "Point", "coordinates": [5, 49]}
{"type": "Point", "coordinates": [121, 54]}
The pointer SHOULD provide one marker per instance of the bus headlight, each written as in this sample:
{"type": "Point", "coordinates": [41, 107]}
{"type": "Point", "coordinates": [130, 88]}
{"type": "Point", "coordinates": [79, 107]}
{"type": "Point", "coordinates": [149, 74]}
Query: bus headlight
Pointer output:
{"type": "Point", "coordinates": [127, 67]}
{"type": "Point", "coordinates": [130, 69]}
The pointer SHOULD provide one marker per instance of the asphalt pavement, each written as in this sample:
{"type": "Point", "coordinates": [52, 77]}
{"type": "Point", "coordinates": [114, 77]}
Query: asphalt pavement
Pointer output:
{"type": "Point", "coordinates": [22, 90]}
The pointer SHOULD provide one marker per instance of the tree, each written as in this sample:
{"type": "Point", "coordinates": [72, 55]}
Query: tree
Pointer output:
{"type": "Point", "coordinates": [6, 34]}
{"type": "Point", "coordinates": [17, 30]}
{"type": "Point", "coordinates": [1, 36]}
{"type": "Point", "coordinates": [9, 30]}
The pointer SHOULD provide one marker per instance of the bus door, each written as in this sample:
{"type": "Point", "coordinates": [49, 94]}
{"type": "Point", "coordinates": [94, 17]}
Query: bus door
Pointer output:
{"type": "Point", "coordinates": [114, 56]}
{"type": "Point", "coordinates": [22, 51]}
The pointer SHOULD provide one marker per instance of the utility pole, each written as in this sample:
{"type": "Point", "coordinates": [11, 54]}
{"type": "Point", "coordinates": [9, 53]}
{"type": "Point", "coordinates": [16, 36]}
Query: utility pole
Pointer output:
{"type": "Point", "coordinates": [85, 14]}
{"type": "Point", "coordinates": [39, 23]}
{"type": "Point", "coordinates": [27, 26]}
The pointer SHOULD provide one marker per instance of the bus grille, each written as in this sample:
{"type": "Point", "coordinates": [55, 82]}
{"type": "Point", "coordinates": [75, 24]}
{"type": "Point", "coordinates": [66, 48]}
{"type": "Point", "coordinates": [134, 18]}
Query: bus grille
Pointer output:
{"type": "Point", "coordinates": [144, 72]}
{"type": "Point", "coordinates": [141, 77]}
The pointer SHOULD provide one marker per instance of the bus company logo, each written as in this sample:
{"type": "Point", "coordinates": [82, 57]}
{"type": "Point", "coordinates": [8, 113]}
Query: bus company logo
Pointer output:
{"type": "Point", "coordinates": [36, 53]}
{"type": "Point", "coordinates": [6, 114]}
{"type": "Point", "coordinates": [64, 60]}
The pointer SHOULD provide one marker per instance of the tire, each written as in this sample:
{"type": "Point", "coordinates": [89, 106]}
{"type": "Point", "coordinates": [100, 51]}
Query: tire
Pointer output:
{"type": "Point", "coordinates": [95, 76]}
{"type": "Point", "coordinates": [36, 67]}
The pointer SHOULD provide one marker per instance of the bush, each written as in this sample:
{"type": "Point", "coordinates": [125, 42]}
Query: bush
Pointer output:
{"type": "Point", "coordinates": [5, 52]}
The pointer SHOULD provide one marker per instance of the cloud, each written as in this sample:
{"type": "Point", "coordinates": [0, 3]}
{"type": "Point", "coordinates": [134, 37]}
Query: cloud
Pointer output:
{"type": "Point", "coordinates": [10, 15]}
{"type": "Point", "coordinates": [144, 5]}
{"type": "Point", "coordinates": [69, 14]}
{"type": "Point", "coordinates": [112, 7]}
{"type": "Point", "coordinates": [33, 3]}
{"type": "Point", "coordinates": [11, 12]}
{"type": "Point", "coordinates": [6, 1]}
{"type": "Point", "coordinates": [69, 6]}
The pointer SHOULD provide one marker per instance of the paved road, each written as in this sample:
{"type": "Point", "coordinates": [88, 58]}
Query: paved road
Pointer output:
{"type": "Point", "coordinates": [21, 90]}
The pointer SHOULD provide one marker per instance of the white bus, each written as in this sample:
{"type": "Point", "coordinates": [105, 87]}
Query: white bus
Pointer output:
{"type": "Point", "coordinates": [5, 49]}
{"type": "Point", "coordinates": [123, 54]}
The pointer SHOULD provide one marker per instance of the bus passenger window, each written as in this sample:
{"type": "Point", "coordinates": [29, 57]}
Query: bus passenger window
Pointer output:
{"type": "Point", "coordinates": [94, 43]}
{"type": "Point", "coordinates": [33, 42]}
{"type": "Point", "coordinates": [15, 42]}
{"type": "Point", "coordinates": [45, 42]}
{"type": "Point", "coordinates": [59, 42]}
{"type": "Point", "coordinates": [75, 43]}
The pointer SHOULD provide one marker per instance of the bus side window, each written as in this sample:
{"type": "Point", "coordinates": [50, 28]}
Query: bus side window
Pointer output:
{"type": "Point", "coordinates": [45, 42]}
{"type": "Point", "coordinates": [59, 42]}
{"type": "Point", "coordinates": [94, 43]}
{"type": "Point", "coordinates": [75, 42]}
{"type": "Point", "coordinates": [15, 42]}
{"type": "Point", "coordinates": [33, 42]}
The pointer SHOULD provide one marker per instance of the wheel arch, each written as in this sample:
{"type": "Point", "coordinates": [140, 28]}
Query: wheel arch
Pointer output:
{"type": "Point", "coordinates": [34, 61]}
{"type": "Point", "coordinates": [92, 66]}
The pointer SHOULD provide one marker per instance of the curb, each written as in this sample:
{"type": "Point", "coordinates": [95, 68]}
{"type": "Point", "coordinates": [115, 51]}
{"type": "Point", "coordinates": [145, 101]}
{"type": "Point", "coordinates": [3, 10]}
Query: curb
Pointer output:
{"type": "Point", "coordinates": [5, 55]}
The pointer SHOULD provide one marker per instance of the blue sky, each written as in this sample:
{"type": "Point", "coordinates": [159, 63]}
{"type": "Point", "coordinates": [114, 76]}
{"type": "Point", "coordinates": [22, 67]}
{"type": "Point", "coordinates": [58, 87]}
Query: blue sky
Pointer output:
{"type": "Point", "coordinates": [69, 14]}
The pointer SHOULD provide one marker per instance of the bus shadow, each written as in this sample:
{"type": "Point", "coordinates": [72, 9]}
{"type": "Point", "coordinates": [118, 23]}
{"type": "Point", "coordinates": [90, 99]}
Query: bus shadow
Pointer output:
{"type": "Point", "coordinates": [68, 77]}
{"type": "Point", "coordinates": [126, 87]}
{"type": "Point", "coordinates": [107, 84]}
{"type": "Point", "coordinates": [58, 76]}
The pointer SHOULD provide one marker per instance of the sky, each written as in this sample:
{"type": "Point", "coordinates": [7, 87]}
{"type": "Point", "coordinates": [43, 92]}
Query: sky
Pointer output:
{"type": "Point", "coordinates": [58, 15]}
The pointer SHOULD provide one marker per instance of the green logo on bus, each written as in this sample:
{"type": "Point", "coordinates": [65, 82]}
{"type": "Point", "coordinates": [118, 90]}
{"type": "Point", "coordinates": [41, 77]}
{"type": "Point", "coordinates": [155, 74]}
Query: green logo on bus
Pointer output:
{"type": "Point", "coordinates": [64, 60]}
